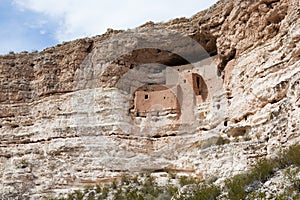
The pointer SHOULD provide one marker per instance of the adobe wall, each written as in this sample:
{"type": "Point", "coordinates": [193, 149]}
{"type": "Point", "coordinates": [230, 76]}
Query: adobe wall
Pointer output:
{"type": "Point", "coordinates": [155, 100]}
{"type": "Point", "coordinates": [173, 73]}
{"type": "Point", "coordinates": [198, 86]}
{"type": "Point", "coordinates": [186, 88]}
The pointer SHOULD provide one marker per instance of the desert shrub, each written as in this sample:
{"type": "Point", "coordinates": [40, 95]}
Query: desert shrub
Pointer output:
{"type": "Point", "coordinates": [98, 189]}
{"type": "Point", "coordinates": [235, 186]}
{"type": "Point", "coordinates": [171, 189]}
{"type": "Point", "coordinates": [79, 195]}
{"type": "Point", "coordinates": [187, 180]}
{"type": "Point", "coordinates": [263, 170]}
{"type": "Point", "coordinates": [114, 185]}
{"type": "Point", "coordinates": [241, 186]}
{"type": "Point", "coordinates": [257, 195]}
{"type": "Point", "coordinates": [133, 194]}
{"type": "Point", "coordinates": [287, 195]}
{"type": "Point", "coordinates": [291, 173]}
{"type": "Point", "coordinates": [199, 191]}
{"type": "Point", "coordinates": [104, 193]}
{"type": "Point", "coordinates": [119, 194]}
{"type": "Point", "coordinates": [291, 156]}
{"type": "Point", "coordinates": [206, 191]}
{"type": "Point", "coordinates": [125, 180]}
{"type": "Point", "coordinates": [149, 187]}
{"type": "Point", "coordinates": [172, 175]}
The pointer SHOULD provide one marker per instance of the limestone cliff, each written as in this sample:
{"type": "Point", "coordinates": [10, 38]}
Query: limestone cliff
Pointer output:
{"type": "Point", "coordinates": [70, 115]}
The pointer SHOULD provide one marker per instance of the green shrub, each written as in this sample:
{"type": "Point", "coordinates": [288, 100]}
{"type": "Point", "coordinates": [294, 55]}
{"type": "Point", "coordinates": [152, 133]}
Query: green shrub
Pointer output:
{"type": "Point", "coordinates": [291, 175]}
{"type": "Point", "coordinates": [79, 195]}
{"type": "Point", "coordinates": [257, 195]}
{"type": "Point", "coordinates": [236, 186]}
{"type": "Point", "coordinates": [291, 156]}
{"type": "Point", "coordinates": [104, 194]}
{"type": "Point", "coordinates": [287, 195]}
{"type": "Point", "coordinates": [187, 180]}
{"type": "Point", "coordinates": [133, 194]}
{"type": "Point", "coordinates": [172, 175]}
{"type": "Point", "coordinates": [149, 187]}
{"type": "Point", "coordinates": [206, 192]}
{"type": "Point", "coordinates": [114, 185]}
{"type": "Point", "coordinates": [263, 170]}
{"type": "Point", "coordinates": [125, 180]}
{"type": "Point", "coordinates": [98, 189]}
{"type": "Point", "coordinates": [171, 189]}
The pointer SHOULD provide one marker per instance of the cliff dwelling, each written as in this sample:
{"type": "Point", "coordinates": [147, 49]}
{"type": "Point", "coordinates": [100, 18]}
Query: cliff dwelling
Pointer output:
{"type": "Point", "coordinates": [184, 89]}
{"type": "Point", "coordinates": [155, 99]}
{"type": "Point", "coordinates": [166, 90]}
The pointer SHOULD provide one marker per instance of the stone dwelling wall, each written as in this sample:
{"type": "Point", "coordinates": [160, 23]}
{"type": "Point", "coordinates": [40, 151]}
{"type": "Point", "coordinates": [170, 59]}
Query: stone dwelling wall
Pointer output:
{"type": "Point", "coordinates": [155, 101]}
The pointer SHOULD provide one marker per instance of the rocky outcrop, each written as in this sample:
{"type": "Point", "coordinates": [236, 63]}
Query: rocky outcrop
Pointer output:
{"type": "Point", "coordinates": [64, 112]}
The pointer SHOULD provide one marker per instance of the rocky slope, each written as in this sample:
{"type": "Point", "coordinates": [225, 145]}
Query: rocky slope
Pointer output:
{"type": "Point", "coordinates": [64, 119]}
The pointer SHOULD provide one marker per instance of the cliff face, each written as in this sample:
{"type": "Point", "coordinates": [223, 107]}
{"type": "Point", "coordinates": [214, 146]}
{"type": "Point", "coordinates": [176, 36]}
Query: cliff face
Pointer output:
{"type": "Point", "coordinates": [66, 113]}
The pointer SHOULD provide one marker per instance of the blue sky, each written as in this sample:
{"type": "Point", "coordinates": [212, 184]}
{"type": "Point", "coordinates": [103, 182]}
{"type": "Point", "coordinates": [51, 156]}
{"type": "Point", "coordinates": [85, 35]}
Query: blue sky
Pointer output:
{"type": "Point", "coordinates": [28, 25]}
{"type": "Point", "coordinates": [20, 30]}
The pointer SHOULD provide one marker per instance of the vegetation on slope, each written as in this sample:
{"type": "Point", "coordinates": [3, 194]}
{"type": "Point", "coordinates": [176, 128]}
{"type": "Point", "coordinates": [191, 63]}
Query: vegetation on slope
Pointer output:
{"type": "Point", "coordinates": [241, 186]}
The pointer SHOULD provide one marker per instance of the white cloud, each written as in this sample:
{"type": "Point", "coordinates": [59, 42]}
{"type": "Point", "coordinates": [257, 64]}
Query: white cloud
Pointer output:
{"type": "Point", "coordinates": [78, 18]}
